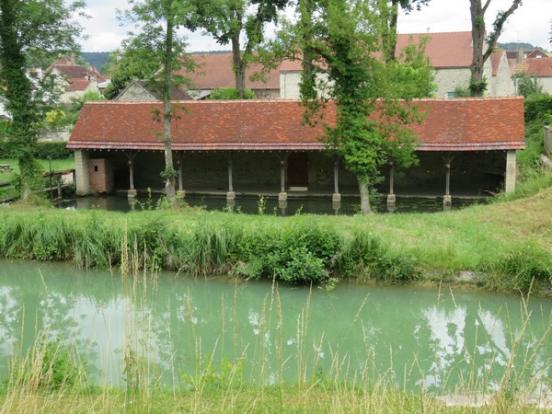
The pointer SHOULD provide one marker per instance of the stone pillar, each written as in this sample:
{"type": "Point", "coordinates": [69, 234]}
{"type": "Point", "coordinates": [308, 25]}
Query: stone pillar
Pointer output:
{"type": "Point", "coordinates": [336, 196]}
{"type": "Point", "coordinates": [282, 196]}
{"type": "Point", "coordinates": [391, 198]}
{"type": "Point", "coordinates": [447, 199]}
{"type": "Point", "coordinates": [180, 194]}
{"type": "Point", "coordinates": [230, 195]}
{"type": "Point", "coordinates": [511, 172]}
{"type": "Point", "coordinates": [131, 191]}
{"type": "Point", "coordinates": [82, 174]}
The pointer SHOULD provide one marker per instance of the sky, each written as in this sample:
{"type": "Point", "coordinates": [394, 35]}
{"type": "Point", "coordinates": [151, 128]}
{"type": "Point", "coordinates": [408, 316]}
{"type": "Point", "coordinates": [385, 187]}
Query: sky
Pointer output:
{"type": "Point", "coordinates": [531, 23]}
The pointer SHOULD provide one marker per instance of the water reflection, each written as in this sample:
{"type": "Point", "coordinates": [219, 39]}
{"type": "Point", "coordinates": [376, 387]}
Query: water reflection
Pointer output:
{"type": "Point", "coordinates": [270, 205]}
{"type": "Point", "coordinates": [413, 336]}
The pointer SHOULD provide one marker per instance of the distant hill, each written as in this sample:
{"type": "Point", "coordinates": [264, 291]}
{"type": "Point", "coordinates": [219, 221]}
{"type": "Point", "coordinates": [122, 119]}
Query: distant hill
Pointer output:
{"type": "Point", "coordinates": [516, 46]}
{"type": "Point", "coordinates": [96, 59]}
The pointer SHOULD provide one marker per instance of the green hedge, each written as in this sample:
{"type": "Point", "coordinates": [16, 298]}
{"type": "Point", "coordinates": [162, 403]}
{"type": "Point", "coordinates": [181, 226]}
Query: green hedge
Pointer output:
{"type": "Point", "coordinates": [44, 151]}
{"type": "Point", "coordinates": [536, 107]}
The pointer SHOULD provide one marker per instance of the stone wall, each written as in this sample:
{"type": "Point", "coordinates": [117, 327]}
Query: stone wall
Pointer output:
{"type": "Point", "coordinates": [502, 84]}
{"type": "Point", "coordinates": [546, 84]}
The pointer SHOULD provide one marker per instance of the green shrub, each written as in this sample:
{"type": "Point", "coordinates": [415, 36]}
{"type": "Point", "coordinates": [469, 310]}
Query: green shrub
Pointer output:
{"type": "Point", "coordinates": [537, 106]}
{"type": "Point", "coordinates": [366, 256]}
{"type": "Point", "coordinates": [520, 269]}
{"type": "Point", "coordinates": [230, 94]}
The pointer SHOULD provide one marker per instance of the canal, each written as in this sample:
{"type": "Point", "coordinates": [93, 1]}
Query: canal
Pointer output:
{"type": "Point", "coordinates": [439, 340]}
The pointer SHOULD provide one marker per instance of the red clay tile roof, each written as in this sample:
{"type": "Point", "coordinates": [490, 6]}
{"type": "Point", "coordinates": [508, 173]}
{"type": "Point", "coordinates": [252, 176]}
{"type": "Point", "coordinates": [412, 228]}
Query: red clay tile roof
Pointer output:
{"type": "Point", "coordinates": [214, 70]}
{"type": "Point", "coordinates": [71, 72]}
{"type": "Point", "coordinates": [450, 125]}
{"type": "Point", "coordinates": [445, 50]}
{"type": "Point", "coordinates": [77, 85]}
{"type": "Point", "coordinates": [537, 67]}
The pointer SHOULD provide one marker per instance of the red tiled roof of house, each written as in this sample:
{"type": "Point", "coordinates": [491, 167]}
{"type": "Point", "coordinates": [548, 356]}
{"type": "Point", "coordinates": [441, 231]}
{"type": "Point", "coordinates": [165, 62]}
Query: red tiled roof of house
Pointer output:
{"type": "Point", "coordinates": [450, 125]}
{"type": "Point", "coordinates": [537, 67]}
{"type": "Point", "coordinates": [73, 71]}
{"type": "Point", "coordinates": [445, 50]}
{"type": "Point", "coordinates": [77, 85]}
{"type": "Point", "coordinates": [214, 70]}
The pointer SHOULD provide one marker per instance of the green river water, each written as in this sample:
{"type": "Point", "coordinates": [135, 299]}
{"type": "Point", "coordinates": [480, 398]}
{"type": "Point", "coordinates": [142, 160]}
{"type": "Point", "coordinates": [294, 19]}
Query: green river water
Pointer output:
{"type": "Point", "coordinates": [436, 339]}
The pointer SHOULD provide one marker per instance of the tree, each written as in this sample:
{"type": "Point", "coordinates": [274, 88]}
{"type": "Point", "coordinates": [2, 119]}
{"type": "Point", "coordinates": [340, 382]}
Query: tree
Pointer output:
{"type": "Point", "coordinates": [132, 62]}
{"type": "Point", "coordinates": [371, 126]}
{"type": "Point", "coordinates": [31, 31]}
{"type": "Point", "coordinates": [160, 21]}
{"type": "Point", "coordinates": [480, 55]}
{"type": "Point", "coordinates": [391, 17]}
{"type": "Point", "coordinates": [233, 22]}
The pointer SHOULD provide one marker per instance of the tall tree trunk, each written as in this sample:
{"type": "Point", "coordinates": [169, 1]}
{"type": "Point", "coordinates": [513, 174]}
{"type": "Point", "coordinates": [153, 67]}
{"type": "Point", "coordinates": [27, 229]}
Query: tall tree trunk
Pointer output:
{"type": "Point", "coordinates": [390, 36]}
{"type": "Point", "coordinates": [477, 82]}
{"type": "Point", "coordinates": [18, 92]}
{"type": "Point", "coordinates": [364, 196]}
{"type": "Point", "coordinates": [308, 75]}
{"type": "Point", "coordinates": [238, 65]}
{"type": "Point", "coordinates": [170, 179]}
{"type": "Point", "coordinates": [480, 54]}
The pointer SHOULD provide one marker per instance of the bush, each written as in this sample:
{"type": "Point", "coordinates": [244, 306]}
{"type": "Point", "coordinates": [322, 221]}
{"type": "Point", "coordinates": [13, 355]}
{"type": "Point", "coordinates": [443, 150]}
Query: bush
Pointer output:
{"type": "Point", "coordinates": [299, 255]}
{"type": "Point", "coordinates": [230, 94]}
{"type": "Point", "coordinates": [520, 269]}
{"type": "Point", "coordinates": [366, 256]}
{"type": "Point", "coordinates": [537, 106]}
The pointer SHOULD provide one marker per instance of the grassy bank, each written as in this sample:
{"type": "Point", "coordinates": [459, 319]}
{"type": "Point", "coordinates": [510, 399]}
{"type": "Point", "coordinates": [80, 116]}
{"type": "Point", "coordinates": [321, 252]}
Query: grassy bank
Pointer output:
{"type": "Point", "coordinates": [505, 245]}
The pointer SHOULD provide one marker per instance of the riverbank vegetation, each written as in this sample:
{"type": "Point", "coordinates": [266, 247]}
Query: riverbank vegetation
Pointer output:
{"type": "Point", "coordinates": [504, 245]}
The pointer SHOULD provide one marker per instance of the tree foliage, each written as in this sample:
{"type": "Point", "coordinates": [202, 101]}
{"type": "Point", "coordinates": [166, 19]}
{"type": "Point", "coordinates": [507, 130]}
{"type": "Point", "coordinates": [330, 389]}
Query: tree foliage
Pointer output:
{"type": "Point", "coordinates": [390, 17]}
{"type": "Point", "coordinates": [478, 84]}
{"type": "Point", "coordinates": [228, 94]}
{"type": "Point", "coordinates": [371, 95]}
{"type": "Point", "coordinates": [236, 22]}
{"type": "Point", "coordinates": [527, 86]}
{"type": "Point", "coordinates": [132, 62]}
{"type": "Point", "coordinates": [158, 39]}
{"type": "Point", "coordinates": [31, 31]}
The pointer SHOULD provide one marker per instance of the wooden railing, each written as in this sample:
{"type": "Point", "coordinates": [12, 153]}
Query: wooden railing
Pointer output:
{"type": "Point", "coordinates": [54, 185]}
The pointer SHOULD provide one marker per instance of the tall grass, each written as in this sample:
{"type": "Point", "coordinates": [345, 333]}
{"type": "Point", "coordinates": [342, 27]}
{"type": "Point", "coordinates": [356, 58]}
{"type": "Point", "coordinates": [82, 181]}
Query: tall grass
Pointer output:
{"type": "Point", "coordinates": [298, 250]}
{"type": "Point", "coordinates": [50, 377]}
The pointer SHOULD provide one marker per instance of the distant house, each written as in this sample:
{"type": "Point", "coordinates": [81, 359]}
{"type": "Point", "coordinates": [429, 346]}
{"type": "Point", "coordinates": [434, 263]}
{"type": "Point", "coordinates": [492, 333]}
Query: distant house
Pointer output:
{"type": "Point", "coordinates": [449, 53]}
{"type": "Point", "coordinates": [75, 80]}
{"type": "Point", "coordinates": [536, 64]}
{"type": "Point", "coordinates": [141, 91]}
{"type": "Point", "coordinates": [214, 70]}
